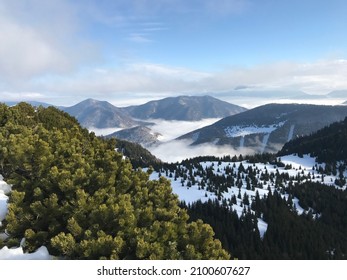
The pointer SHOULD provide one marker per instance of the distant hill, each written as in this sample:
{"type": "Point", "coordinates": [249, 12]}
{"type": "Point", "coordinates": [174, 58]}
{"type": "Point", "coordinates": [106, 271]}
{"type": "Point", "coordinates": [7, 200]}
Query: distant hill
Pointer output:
{"type": "Point", "coordinates": [338, 94]}
{"type": "Point", "coordinates": [32, 103]}
{"type": "Point", "coordinates": [248, 92]}
{"type": "Point", "coordinates": [267, 128]}
{"type": "Point", "coordinates": [187, 108]}
{"type": "Point", "coordinates": [139, 134]}
{"type": "Point", "coordinates": [100, 114]}
{"type": "Point", "coordinates": [328, 144]}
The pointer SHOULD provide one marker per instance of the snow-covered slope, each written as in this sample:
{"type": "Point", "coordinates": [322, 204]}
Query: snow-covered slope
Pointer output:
{"type": "Point", "coordinates": [266, 179]}
{"type": "Point", "coordinates": [267, 128]}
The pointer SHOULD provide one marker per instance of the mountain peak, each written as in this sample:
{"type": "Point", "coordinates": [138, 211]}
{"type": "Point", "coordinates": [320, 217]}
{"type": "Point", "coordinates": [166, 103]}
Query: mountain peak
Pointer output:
{"type": "Point", "coordinates": [184, 107]}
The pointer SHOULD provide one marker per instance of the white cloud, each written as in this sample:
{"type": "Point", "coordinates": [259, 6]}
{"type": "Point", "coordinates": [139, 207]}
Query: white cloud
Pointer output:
{"type": "Point", "coordinates": [168, 152]}
{"type": "Point", "coordinates": [173, 129]}
{"type": "Point", "coordinates": [24, 52]}
{"type": "Point", "coordinates": [38, 38]}
{"type": "Point", "coordinates": [139, 38]}
{"type": "Point", "coordinates": [155, 80]}
{"type": "Point", "coordinates": [22, 96]}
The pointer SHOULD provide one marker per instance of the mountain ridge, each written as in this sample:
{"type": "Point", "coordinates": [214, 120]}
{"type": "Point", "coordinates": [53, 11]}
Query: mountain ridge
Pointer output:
{"type": "Point", "coordinates": [100, 114]}
{"type": "Point", "coordinates": [267, 128]}
{"type": "Point", "coordinates": [190, 108]}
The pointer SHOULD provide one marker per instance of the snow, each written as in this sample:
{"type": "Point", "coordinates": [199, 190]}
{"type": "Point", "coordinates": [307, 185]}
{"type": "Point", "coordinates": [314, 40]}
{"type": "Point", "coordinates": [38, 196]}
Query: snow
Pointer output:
{"type": "Point", "coordinates": [262, 226]}
{"type": "Point", "coordinates": [303, 166]}
{"type": "Point", "coordinates": [305, 162]}
{"type": "Point", "coordinates": [15, 253]}
{"type": "Point", "coordinates": [18, 254]}
{"type": "Point", "coordinates": [298, 208]}
{"type": "Point", "coordinates": [4, 189]}
{"type": "Point", "coordinates": [237, 131]}
{"type": "Point", "coordinates": [291, 132]}
{"type": "Point", "coordinates": [187, 194]}
{"type": "Point", "coordinates": [264, 142]}
{"type": "Point", "coordinates": [242, 142]}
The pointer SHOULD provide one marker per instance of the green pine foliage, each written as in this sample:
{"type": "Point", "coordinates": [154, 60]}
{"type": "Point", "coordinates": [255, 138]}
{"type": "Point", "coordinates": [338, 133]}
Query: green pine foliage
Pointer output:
{"type": "Point", "coordinates": [73, 193]}
{"type": "Point", "coordinates": [138, 156]}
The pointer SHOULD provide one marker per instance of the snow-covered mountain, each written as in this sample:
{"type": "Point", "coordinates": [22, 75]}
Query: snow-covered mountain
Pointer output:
{"type": "Point", "coordinates": [267, 128]}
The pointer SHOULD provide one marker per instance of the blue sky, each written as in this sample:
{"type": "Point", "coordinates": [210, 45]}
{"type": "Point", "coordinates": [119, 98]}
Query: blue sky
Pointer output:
{"type": "Point", "coordinates": [63, 51]}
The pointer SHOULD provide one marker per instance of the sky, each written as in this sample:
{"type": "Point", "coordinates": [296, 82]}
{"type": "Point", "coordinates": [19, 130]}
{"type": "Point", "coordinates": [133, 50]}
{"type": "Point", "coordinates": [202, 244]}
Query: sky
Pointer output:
{"type": "Point", "coordinates": [131, 51]}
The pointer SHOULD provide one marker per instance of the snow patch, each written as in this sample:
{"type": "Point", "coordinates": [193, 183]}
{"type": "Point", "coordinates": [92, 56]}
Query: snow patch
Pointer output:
{"type": "Point", "coordinates": [264, 142]}
{"type": "Point", "coordinates": [4, 189]}
{"type": "Point", "coordinates": [237, 131]}
{"type": "Point", "coordinates": [262, 226]}
{"type": "Point", "coordinates": [291, 132]}
{"type": "Point", "coordinates": [18, 254]}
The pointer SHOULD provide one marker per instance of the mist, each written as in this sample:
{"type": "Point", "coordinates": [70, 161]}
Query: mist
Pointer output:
{"type": "Point", "coordinates": [178, 150]}
{"type": "Point", "coordinates": [170, 130]}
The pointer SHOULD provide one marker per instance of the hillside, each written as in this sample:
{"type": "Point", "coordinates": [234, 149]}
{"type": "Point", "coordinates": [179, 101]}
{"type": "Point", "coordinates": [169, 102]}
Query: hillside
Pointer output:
{"type": "Point", "coordinates": [75, 195]}
{"type": "Point", "coordinates": [138, 134]}
{"type": "Point", "coordinates": [267, 128]}
{"type": "Point", "coordinates": [328, 144]}
{"type": "Point", "coordinates": [266, 207]}
{"type": "Point", "coordinates": [100, 114]}
{"type": "Point", "coordinates": [337, 94]}
{"type": "Point", "coordinates": [138, 156]}
{"type": "Point", "coordinates": [188, 108]}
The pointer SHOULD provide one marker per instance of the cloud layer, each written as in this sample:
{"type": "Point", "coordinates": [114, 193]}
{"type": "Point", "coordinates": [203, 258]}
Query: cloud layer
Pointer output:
{"type": "Point", "coordinates": [49, 52]}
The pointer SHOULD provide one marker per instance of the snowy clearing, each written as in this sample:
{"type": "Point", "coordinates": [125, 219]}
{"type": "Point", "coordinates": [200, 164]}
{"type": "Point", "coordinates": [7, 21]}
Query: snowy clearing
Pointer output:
{"type": "Point", "coordinates": [237, 131]}
{"type": "Point", "coordinates": [306, 168]}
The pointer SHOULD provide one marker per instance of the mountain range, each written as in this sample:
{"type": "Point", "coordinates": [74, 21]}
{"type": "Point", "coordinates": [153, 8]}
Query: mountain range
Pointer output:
{"type": "Point", "coordinates": [267, 128]}
{"type": "Point", "coordinates": [262, 129]}
{"type": "Point", "coordinates": [100, 114]}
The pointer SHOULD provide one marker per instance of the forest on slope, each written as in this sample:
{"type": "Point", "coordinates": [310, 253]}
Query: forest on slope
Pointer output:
{"type": "Point", "coordinates": [304, 207]}
{"type": "Point", "coordinates": [73, 193]}
{"type": "Point", "coordinates": [328, 144]}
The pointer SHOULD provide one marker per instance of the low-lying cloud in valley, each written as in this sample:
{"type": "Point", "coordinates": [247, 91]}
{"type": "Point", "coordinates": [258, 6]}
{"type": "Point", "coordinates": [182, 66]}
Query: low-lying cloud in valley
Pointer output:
{"type": "Point", "coordinates": [178, 150]}
{"type": "Point", "coordinates": [172, 150]}
{"type": "Point", "coordinates": [170, 130]}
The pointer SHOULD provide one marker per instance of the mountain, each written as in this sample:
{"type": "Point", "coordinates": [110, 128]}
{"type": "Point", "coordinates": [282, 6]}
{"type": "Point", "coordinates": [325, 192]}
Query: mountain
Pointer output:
{"type": "Point", "coordinates": [187, 108]}
{"type": "Point", "coordinates": [32, 103]}
{"type": "Point", "coordinates": [267, 128]}
{"type": "Point", "coordinates": [248, 92]}
{"type": "Point", "coordinates": [138, 134]}
{"type": "Point", "coordinates": [328, 144]}
{"type": "Point", "coordinates": [100, 114]}
{"type": "Point", "coordinates": [337, 94]}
